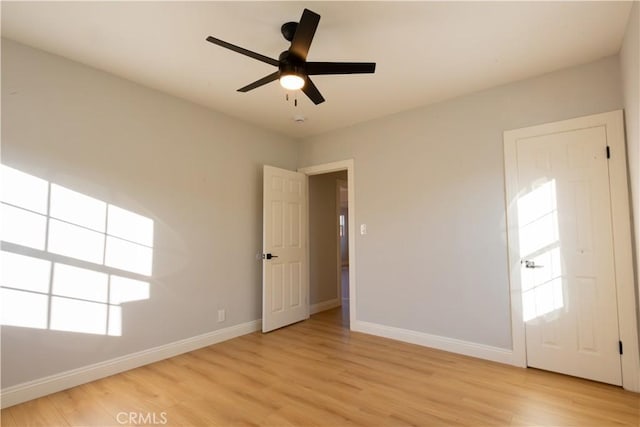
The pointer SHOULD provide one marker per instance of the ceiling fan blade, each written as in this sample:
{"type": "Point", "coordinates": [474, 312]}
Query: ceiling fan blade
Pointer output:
{"type": "Point", "coordinates": [304, 34]}
{"type": "Point", "coordinates": [312, 92]}
{"type": "Point", "coordinates": [261, 82]}
{"type": "Point", "coordinates": [319, 68]}
{"type": "Point", "coordinates": [243, 51]}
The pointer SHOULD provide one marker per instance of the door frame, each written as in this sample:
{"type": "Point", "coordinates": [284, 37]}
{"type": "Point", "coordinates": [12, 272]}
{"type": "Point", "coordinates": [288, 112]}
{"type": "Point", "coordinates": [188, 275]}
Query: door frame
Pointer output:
{"type": "Point", "coordinates": [621, 228]}
{"type": "Point", "coordinates": [341, 165]}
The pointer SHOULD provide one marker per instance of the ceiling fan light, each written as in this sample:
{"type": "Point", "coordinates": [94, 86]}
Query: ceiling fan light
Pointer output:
{"type": "Point", "coordinates": [291, 81]}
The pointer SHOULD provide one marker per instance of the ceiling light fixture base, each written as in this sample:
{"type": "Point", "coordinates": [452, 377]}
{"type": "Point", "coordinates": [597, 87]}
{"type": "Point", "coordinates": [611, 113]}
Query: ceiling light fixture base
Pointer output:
{"type": "Point", "coordinates": [288, 30]}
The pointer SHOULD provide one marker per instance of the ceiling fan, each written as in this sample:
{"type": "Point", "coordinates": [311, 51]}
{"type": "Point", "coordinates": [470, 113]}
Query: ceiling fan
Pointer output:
{"type": "Point", "coordinates": [293, 68]}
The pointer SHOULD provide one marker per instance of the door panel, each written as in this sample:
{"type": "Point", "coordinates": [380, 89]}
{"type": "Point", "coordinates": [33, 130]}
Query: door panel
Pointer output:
{"type": "Point", "coordinates": [284, 299]}
{"type": "Point", "coordinates": [566, 248]}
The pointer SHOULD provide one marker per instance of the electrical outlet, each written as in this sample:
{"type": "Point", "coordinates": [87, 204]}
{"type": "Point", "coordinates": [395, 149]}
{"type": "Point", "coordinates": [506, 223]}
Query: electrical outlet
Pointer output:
{"type": "Point", "coordinates": [222, 315]}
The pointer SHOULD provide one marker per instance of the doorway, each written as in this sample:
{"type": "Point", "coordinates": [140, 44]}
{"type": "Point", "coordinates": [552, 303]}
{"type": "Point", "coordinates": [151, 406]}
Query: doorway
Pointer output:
{"type": "Point", "coordinates": [342, 281]}
{"type": "Point", "coordinates": [327, 240]}
{"type": "Point", "coordinates": [342, 265]}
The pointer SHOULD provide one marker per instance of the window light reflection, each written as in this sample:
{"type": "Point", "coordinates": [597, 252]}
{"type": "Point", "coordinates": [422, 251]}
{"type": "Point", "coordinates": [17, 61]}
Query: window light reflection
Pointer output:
{"type": "Point", "coordinates": [130, 226]}
{"type": "Point", "coordinates": [25, 309]}
{"type": "Point", "coordinates": [128, 256]}
{"type": "Point", "coordinates": [77, 290]}
{"type": "Point", "coordinates": [22, 227]}
{"type": "Point", "coordinates": [24, 272]}
{"type": "Point", "coordinates": [24, 190]}
{"type": "Point", "coordinates": [542, 288]}
{"type": "Point", "coordinates": [76, 242]}
{"type": "Point", "coordinates": [68, 314]}
{"type": "Point", "coordinates": [78, 209]}
{"type": "Point", "coordinates": [80, 283]}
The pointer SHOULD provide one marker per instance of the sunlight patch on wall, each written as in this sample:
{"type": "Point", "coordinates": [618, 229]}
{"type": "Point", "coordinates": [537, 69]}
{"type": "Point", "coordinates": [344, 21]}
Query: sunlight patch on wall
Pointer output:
{"type": "Point", "coordinates": [542, 281]}
{"type": "Point", "coordinates": [71, 260]}
{"type": "Point", "coordinates": [23, 227]}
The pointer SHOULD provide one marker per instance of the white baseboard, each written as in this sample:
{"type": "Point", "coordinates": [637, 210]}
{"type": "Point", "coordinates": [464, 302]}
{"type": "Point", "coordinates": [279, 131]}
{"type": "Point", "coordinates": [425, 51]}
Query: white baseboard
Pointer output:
{"type": "Point", "coordinates": [324, 305]}
{"type": "Point", "coordinates": [452, 345]}
{"type": "Point", "coordinates": [41, 387]}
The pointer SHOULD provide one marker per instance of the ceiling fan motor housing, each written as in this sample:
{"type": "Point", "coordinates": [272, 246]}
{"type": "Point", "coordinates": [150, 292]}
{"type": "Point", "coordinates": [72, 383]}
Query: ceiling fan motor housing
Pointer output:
{"type": "Point", "coordinates": [290, 64]}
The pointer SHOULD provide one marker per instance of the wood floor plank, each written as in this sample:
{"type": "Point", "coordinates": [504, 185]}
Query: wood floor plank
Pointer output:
{"type": "Point", "coordinates": [316, 373]}
{"type": "Point", "coordinates": [78, 408]}
{"type": "Point", "coordinates": [6, 418]}
{"type": "Point", "coordinates": [39, 412]}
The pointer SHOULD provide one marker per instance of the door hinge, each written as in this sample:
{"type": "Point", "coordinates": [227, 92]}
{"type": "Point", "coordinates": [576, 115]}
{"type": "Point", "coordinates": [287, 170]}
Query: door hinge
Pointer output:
{"type": "Point", "coordinates": [620, 346]}
{"type": "Point", "coordinates": [608, 152]}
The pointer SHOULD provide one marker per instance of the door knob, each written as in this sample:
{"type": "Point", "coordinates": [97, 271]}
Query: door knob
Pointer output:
{"type": "Point", "coordinates": [530, 264]}
{"type": "Point", "coordinates": [269, 256]}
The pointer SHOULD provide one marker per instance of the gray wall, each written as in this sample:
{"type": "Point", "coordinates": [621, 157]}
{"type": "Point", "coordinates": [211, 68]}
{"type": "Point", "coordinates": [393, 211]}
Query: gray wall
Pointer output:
{"type": "Point", "coordinates": [196, 173]}
{"type": "Point", "coordinates": [323, 237]}
{"type": "Point", "coordinates": [629, 65]}
{"type": "Point", "coordinates": [430, 187]}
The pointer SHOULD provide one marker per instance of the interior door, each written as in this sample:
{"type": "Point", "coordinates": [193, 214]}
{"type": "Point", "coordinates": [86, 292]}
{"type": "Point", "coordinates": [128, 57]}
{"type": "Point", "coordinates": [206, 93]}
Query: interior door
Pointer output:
{"type": "Point", "coordinates": [284, 269]}
{"type": "Point", "coordinates": [566, 251]}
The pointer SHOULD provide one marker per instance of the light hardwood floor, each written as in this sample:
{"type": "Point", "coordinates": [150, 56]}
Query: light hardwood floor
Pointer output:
{"type": "Point", "coordinates": [317, 373]}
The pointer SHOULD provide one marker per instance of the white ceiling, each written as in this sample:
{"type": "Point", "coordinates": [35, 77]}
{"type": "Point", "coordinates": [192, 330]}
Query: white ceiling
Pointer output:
{"type": "Point", "coordinates": [425, 51]}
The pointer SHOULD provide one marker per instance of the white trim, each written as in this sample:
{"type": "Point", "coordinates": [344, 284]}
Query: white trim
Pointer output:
{"type": "Point", "coordinates": [452, 345]}
{"type": "Point", "coordinates": [324, 305]}
{"type": "Point", "coordinates": [327, 167]}
{"type": "Point", "coordinates": [41, 387]}
{"type": "Point", "coordinates": [518, 340]}
{"type": "Point", "coordinates": [349, 166]}
{"type": "Point", "coordinates": [621, 225]}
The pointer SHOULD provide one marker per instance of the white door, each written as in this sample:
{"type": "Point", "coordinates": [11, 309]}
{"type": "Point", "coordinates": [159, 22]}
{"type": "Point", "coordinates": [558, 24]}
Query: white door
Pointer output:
{"type": "Point", "coordinates": [284, 269]}
{"type": "Point", "coordinates": [566, 251]}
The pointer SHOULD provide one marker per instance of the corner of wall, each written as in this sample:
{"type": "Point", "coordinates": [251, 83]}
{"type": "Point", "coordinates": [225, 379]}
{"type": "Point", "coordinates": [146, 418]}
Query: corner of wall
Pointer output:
{"type": "Point", "coordinates": [630, 70]}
